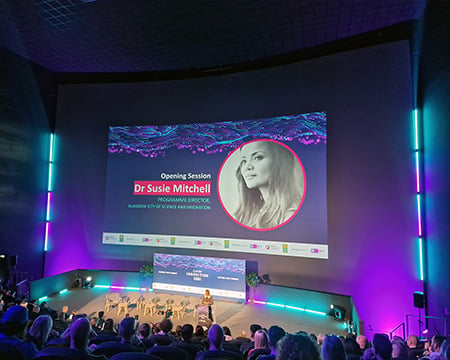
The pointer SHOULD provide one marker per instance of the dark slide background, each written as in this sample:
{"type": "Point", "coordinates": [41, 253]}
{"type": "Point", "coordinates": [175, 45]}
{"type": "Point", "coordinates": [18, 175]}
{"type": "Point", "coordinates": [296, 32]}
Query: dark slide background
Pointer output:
{"type": "Point", "coordinates": [308, 226]}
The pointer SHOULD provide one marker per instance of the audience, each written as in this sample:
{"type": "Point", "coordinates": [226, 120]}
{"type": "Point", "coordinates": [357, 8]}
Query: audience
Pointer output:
{"type": "Point", "coordinates": [415, 350]}
{"type": "Point", "coordinates": [80, 331]}
{"type": "Point", "coordinates": [436, 343]}
{"type": "Point", "coordinates": [297, 347]}
{"type": "Point", "coordinates": [382, 346]}
{"type": "Point", "coordinates": [276, 333]}
{"type": "Point", "coordinates": [108, 328]}
{"type": "Point", "coordinates": [261, 345]}
{"type": "Point", "coordinates": [127, 334]}
{"type": "Point", "coordinates": [39, 332]}
{"type": "Point", "coordinates": [273, 344]}
{"type": "Point", "coordinates": [12, 327]}
{"type": "Point", "coordinates": [216, 338]}
{"type": "Point", "coordinates": [333, 348]}
{"type": "Point", "coordinates": [247, 346]}
{"type": "Point", "coordinates": [163, 337]}
{"type": "Point", "coordinates": [352, 349]}
{"type": "Point", "coordinates": [186, 344]}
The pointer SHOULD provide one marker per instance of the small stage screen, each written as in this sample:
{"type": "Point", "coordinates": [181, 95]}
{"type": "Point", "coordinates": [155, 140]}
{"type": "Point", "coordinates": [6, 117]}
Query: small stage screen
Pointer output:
{"type": "Point", "coordinates": [254, 186]}
{"type": "Point", "coordinates": [224, 278]}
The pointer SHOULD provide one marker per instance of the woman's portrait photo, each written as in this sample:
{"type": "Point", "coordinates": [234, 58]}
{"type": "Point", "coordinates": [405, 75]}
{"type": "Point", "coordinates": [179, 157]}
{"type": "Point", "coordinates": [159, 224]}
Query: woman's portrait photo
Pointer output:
{"type": "Point", "coordinates": [262, 184]}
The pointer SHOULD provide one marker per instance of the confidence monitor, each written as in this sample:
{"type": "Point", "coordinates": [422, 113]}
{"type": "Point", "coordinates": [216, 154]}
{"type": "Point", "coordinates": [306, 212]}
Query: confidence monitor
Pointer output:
{"type": "Point", "coordinates": [254, 186]}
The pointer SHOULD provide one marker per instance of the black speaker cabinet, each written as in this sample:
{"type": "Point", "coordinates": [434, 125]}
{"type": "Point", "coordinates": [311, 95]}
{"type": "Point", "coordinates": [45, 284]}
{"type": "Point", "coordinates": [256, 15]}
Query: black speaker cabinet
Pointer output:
{"type": "Point", "coordinates": [419, 300]}
{"type": "Point", "coordinates": [4, 269]}
{"type": "Point", "coordinates": [13, 260]}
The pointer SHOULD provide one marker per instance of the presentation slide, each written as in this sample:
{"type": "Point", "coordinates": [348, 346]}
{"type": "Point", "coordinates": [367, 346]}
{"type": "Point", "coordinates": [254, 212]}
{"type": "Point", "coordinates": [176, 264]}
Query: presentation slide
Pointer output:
{"type": "Point", "coordinates": [224, 278]}
{"type": "Point", "coordinates": [254, 186]}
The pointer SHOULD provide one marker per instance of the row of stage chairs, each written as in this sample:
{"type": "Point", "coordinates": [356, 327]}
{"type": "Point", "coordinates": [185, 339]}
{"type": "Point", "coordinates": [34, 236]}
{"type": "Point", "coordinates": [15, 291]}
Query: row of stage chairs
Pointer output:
{"type": "Point", "coordinates": [151, 306]}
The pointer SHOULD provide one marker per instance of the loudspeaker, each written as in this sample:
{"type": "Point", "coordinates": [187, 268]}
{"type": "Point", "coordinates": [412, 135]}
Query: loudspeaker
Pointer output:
{"type": "Point", "coordinates": [13, 260]}
{"type": "Point", "coordinates": [4, 269]}
{"type": "Point", "coordinates": [419, 300]}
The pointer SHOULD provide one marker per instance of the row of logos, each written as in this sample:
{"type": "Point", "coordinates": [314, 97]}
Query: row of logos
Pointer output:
{"type": "Point", "coordinates": [239, 245]}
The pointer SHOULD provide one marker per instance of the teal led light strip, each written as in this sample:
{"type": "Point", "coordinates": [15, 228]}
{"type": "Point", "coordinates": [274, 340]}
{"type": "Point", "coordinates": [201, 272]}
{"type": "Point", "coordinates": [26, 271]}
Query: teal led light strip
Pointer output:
{"type": "Point", "coordinates": [49, 191]}
{"type": "Point", "coordinates": [418, 155]}
{"type": "Point", "coordinates": [267, 303]}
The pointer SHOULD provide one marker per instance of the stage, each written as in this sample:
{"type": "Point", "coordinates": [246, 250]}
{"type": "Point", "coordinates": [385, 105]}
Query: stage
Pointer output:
{"type": "Point", "coordinates": [292, 309]}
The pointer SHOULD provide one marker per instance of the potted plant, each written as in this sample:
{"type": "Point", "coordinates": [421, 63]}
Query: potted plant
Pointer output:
{"type": "Point", "coordinates": [146, 274]}
{"type": "Point", "coordinates": [252, 280]}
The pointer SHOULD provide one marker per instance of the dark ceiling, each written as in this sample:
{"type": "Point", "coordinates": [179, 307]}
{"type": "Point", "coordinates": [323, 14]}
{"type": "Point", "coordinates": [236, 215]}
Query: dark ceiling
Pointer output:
{"type": "Point", "coordinates": [111, 36]}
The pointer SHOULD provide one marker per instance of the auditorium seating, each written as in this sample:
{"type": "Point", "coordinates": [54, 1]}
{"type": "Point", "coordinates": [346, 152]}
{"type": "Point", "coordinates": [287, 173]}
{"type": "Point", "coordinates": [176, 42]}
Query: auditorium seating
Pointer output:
{"type": "Point", "coordinates": [61, 353]}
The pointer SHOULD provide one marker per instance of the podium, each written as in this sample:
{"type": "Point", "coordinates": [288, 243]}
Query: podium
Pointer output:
{"type": "Point", "coordinates": [202, 315]}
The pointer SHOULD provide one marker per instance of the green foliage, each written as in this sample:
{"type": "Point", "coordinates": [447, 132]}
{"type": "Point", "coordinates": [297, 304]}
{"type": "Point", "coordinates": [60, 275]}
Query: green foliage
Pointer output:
{"type": "Point", "coordinates": [146, 270]}
{"type": "Point", "coordinates": [251, 279]}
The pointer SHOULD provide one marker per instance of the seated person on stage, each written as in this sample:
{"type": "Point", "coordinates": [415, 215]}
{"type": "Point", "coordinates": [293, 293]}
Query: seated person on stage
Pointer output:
{"type": "Point", "coordinates": [247, 346]}
{"type": "Point", "coordinates": [12, 326]}
{"type": "Point", "coordinates": [186, 343]}
{"type": "Point", "coordinates": [163, 337]}
{"type": "Point", "coordinates": [276, 333]}
{"type": "Point", "coordinates": [207, 299]}
{"type": "Point", "coordinates": [216, 338]}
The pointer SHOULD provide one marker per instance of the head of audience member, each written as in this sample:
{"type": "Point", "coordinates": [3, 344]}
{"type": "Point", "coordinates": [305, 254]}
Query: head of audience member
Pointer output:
{"type": "Point", "coordinates": [199, 331]}
{"type": "Point", "coordinates": [40, 330]}
{"type": "Point", "coordinates": [14, 321]}
{"type": "Point", "coordinates": [399, 348]}
{"type": "Point", "coordinates": [297, 347]}
{"type": "Point", "coordinates": [320, 339]}
{"type": "Point", "coordinates": [109, 325]}
{"type": "Point", "coordinates": [261, 339]}
{"type": "Point", "coordinates": [101, 314]}
{"type": "Point", "coordinates": [187, 331]}
{"type": "Point", "coordinates": [79, 333]}
{"type": "Point", "coordinates": [276, 333]}
{"type": "Point", "coordinates": [333, 348]}
{"type": "Point", "coordinates": [382, 346]}
{"type": "Point", "coordinates": [362, 342]}
{"type": "Point", "coordinates": [412, 341]}
{"type": "Point", "coordinates": [166, 326]}
{"type": "Point", "coordinates": [369, 354]}
{"type": "Point", "coordinates": [436, 342]}
{"type": "Point", "coordinates": [227, 332]}
{"type": "Point", "coordinates": [253, 329]}
{"type": "Point", "coordinates": [445, 349]}
{"type": "Point", "coordinates": [126, 329]}
{"type": "Point", "coordinates": [216, 337]}
{"type": "Point", "coordinates": [144, 331]}
{"type": "Point", "coordinates": [351, 347]}
{"type": "Point", "coordinates": [93, 321]}
{"type": "Point", "coordinates": [313, 337]}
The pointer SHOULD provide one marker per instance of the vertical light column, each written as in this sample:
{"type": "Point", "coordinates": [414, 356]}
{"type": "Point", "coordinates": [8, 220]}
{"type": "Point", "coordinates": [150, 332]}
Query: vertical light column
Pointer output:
{"type": "Point", "coordinates": [418, 156]}
{"type": "Point", "coordinates": [49, 192]}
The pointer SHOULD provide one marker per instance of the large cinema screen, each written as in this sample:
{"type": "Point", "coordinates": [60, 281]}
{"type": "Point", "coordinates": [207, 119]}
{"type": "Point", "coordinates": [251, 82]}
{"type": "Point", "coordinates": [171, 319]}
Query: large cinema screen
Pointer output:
{"type": "Point", "coordinates": [254, 186]}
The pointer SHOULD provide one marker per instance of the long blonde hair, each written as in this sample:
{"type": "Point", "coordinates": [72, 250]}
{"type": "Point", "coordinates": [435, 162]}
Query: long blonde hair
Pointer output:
{"type": "Point", "coordinates": [286, 188]}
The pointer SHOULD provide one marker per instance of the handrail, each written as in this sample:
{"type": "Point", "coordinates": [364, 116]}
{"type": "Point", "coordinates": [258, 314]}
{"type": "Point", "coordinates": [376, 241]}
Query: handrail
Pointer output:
{"type": "Point", "coordinates": [402, 325]}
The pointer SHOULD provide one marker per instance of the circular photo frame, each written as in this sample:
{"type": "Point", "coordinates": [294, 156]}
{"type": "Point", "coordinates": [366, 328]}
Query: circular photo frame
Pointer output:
{"type": "Point", "coordinates": [262, 185]}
